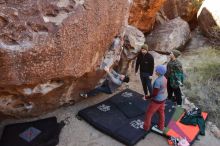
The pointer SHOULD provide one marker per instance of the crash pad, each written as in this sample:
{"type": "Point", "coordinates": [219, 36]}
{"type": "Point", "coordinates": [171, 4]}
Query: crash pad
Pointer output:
{"type": "Point", "coordinates": [122, 116]}
{"type": "Point", "coordinates": [43, 132]}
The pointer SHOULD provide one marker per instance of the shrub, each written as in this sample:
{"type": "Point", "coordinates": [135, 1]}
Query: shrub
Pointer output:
{"type": "Point", "coordinates": [203, 81]}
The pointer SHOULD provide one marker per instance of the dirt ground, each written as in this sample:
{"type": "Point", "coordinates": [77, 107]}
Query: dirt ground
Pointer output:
{"type": "Point", "coordinates": [80, 133]}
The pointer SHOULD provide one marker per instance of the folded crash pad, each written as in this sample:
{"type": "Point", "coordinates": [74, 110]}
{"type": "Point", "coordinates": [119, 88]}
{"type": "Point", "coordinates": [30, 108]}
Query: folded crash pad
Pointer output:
{"type": "Point", "coordinates": [179, 130]}
{"type": "Point", "coordinates": [37, 133]}
{"type": "Point", "coordinates": [122, 116]}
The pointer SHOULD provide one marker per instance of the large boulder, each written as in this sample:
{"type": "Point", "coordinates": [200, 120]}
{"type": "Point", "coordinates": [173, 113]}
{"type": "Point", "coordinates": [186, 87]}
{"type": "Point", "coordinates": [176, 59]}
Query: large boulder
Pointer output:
{"type": "Point", "coordinates": [135, 38]}
{"type": "Point", "coordinates": [50, 50]}
{"type": "Point", "coordinates": [186, 9]}
{"type": "Point", "coordinates": [143, 13]}
{"type": "Point", "coordinates": [209, 16]}
{"type": "Point", "coordinates": [171, 35]}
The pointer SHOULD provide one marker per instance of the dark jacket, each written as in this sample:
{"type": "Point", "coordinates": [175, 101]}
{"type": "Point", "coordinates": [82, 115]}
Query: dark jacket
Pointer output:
{"type": "Point", "coordinates": [195, 118]}
{"type": "Point", "coordinates": [174, 73]}
{"type": "Point", "coordinates": [146, 63]}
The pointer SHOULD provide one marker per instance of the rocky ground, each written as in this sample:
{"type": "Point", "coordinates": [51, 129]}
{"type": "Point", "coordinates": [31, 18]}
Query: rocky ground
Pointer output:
{"type": "Point", "coordinates": [80, 133]}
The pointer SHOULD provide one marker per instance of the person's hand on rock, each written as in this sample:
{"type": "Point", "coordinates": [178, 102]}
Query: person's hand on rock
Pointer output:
{"type": "Point", "coordinates": [106, 69]}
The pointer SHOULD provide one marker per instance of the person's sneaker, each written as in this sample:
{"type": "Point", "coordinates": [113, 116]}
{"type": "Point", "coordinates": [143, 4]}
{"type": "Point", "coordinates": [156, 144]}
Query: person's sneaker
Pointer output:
{"type": "Point", "coordinates": [156, 129]}
{"type": "Point", "coordinates": [178, 106]}
{"type": "Point", "coordinates": [84, 95]}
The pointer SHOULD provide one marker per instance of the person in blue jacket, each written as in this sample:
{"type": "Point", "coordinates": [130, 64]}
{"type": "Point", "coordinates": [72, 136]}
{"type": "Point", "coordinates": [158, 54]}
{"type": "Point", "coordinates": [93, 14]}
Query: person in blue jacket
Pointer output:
{"type": "Point", "coordinates": [158, 99]}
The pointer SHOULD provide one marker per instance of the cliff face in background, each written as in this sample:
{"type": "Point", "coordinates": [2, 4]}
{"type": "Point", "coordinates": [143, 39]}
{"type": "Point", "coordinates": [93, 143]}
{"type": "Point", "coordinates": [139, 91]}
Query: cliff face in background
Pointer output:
{"type": "Point", "coordinates": [50, 50]}
{"type": "Point", "coordinates": [209, 17]}
{"type": "Point", "coordinates": [143, 13]}
{"type": "Point", "coordinates": [186, 9]}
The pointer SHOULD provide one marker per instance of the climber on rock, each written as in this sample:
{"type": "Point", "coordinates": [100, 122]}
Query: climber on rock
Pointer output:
{"type": "Point", "coordinates": [111, 83]}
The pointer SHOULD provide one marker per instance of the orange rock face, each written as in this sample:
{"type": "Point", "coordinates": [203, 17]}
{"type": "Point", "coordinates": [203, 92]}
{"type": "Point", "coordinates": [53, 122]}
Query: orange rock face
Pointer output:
{"type": "Point", "coordinates": [143, 12]}
{"type": "Point", "coordinates": [186, 9]}
{"type": "Point", "coordinates": [50, 50]}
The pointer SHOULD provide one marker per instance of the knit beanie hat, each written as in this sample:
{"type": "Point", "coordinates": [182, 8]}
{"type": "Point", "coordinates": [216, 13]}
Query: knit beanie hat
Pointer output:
{"type": "Point", "coordinates": [161, 69]}
{"type": "Point", "coordinates": [176, 53]}
{"type": "Point", "coordinates": [145, 47]}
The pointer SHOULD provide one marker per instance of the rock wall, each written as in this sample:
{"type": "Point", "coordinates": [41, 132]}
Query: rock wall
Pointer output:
{"type": "Point", "coordinates": [209, 17]}
{"type": "Point", "coordinates": [135, 39]}
{"type": "Point", "coordinates": [50, 50]}
{"type": "Point", "coordinates": [143, 13]}
{"type": "Point", "coordinates": [186, 9]}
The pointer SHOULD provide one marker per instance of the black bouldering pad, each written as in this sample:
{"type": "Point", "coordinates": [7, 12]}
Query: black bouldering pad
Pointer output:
{"type": "Point", "coordinates": [43, 132]}
{"type": "Point", "coordinates": [122, 116]}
